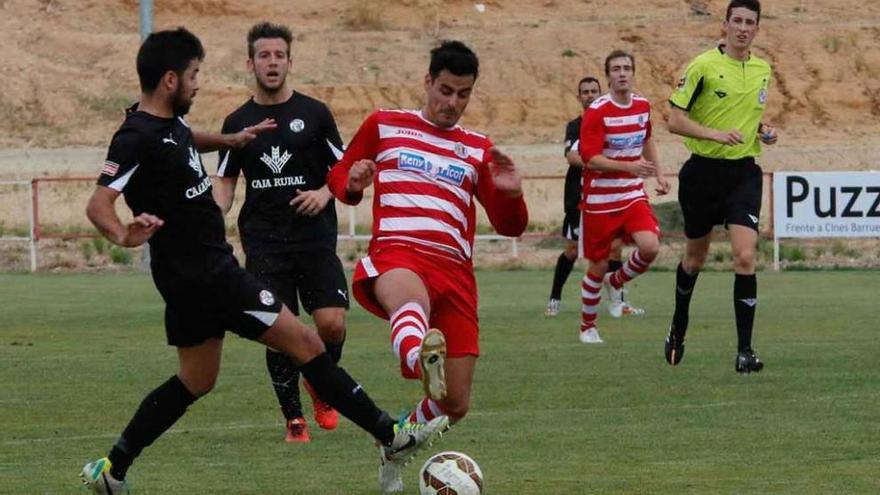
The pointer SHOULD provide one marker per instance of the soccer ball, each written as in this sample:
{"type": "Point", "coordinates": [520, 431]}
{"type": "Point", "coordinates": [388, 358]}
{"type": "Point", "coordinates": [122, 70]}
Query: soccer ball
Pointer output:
{"type": "Point", "coordinates": [450, 473]}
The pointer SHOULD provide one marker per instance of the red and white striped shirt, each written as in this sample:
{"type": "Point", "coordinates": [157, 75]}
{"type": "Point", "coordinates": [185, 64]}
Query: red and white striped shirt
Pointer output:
{"type": "Point", "coordinates": [617, 132]}
{"type": "Point", "coordinates": [426, 179]}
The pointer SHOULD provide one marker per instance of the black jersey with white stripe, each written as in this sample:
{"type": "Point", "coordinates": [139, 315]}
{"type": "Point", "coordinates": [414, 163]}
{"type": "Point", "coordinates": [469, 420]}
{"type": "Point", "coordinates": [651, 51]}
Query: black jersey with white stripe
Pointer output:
{"type": "Point", "coordinates": [573, 178]}
{"type": "Point", "coordinates": [295, 156]}
{"type": "Point", "coordinates": [154, 163]}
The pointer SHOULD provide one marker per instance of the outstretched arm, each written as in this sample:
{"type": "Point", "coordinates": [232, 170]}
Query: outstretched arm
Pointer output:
{"type": "Point", "coordinates": [207, 142]}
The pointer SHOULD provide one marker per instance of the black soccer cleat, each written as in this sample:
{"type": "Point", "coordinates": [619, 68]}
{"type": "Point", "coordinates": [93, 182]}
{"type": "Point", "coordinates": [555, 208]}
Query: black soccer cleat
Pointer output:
{"type": "Point", "coordinates": [673, 349]}
{"type": "Point", "coordinates": [748, 362]}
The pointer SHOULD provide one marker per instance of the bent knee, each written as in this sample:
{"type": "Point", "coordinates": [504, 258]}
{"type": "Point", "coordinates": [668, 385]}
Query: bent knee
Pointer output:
{"type": "Point", "coordinates": [333, 332]}
{"type": "Point", "coordinates": [456, 410]}
{"type": "Point", "coordinates": [199, 386]}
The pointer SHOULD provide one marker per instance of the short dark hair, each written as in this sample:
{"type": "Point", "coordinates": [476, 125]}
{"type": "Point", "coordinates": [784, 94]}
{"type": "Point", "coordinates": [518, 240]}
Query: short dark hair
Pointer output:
{"type": "Point", "coordinates": [618, 54]}
{"type": "Point", "coordinates": [163, 51]}
{"type": "Point", "coordinates": [455, 57]}
{"type": "Point", "coordinates": [266, 29]}
{"type": "Point", "coordinates": [753, 5]}
{"type": "Point", "coordinates": [589, 79]}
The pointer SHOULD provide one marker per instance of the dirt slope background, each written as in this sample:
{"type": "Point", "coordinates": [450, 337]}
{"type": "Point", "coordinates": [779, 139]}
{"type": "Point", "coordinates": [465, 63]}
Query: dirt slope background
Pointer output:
{"type": "Point", "coordinates": [67, 66]}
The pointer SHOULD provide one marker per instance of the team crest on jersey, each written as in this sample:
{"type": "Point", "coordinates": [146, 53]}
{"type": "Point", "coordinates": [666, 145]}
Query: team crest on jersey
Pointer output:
{"type": "Point", "coordinates": [762, 96]}
{"type": "Point", "coordinates": [460, 151]}
{"type": "Point", "coordinates": [297, 125]}
{"type": "Point", "coordinates": [277, 161]}
{"type": "Point", "coordinates": [267, 298]}
{"type": "Point", "coordinates": [449, 173]}
{"type": "Point", "coordinates": [641, 121]}
{"type": "Point", "coordinates": [195, 162]}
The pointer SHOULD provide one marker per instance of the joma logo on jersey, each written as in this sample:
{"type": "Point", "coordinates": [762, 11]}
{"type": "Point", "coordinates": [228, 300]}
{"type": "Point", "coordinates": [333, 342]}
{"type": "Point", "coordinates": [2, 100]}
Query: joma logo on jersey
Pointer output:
{"type": "Point", "coordinates": [452, 174]}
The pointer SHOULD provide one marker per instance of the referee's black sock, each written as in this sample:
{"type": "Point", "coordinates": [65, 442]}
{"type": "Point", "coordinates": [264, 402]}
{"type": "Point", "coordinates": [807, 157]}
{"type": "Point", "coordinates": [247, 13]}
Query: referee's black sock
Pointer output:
{"type": "Point", "coordinates": [338, 389]}
{"type": "Point", "coordinates": [160, 409]}
{"type": "Point", "coordinates": [745, 300]}
{"type": "Point", "coordinates": [560, 275]}
{"type": "Point", "coordinates": [285, 380]}
{"type": "Point", "coordinates": [684, 289]}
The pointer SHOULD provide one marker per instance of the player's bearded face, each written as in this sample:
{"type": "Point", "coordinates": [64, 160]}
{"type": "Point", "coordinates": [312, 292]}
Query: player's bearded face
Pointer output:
{"type": "Point", "coordinates": [187, 87]}
{"type": "Point", "coordinates": [270, 64]}
{"type": "Point", "coordinates": [448, 97]}
{"type": "Point", "coordinates": [741, 28]}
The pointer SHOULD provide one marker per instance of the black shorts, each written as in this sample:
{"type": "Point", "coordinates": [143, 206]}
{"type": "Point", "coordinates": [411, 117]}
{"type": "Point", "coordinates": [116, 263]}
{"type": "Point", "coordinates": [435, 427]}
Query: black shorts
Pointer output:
{"type": "Point", "coordinates": [315, 276]}
{"type": "Point", "coordinates": [229, 298]}
{"type": "Point", "coordinates": [719, 192]}
{"type": "Point", "coordinates": [571, 225]}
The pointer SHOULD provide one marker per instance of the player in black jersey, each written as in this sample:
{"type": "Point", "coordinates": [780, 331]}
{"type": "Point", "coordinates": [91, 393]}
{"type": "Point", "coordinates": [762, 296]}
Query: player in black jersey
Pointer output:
{"type": "Point", "coordinates": [288, 220]}
{"type": "Point", "coordinates": [154, 161]}
{"type": "Point", "coordinates": [588, 90]}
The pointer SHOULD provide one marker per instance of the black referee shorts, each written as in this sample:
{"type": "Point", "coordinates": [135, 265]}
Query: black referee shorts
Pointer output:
{"type": "Point", "coordinates": [571, 225]}
{"type": "Point", "coordinates": [315, 276]}
{"type": "Point", "coordinates": [228, 299]}
{"type": "Point", "coordinates": [714, 191]}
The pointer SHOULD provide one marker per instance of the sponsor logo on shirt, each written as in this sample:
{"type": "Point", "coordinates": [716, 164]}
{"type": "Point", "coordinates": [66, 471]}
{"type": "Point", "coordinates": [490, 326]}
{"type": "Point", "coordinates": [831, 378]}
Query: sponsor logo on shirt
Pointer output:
{"type": "Point", "coordinates": [195, 162]}
{"type": "Point", "coordinates": [277, 161]}
{"type": "Point", "coordinates": [720, 94]}
{"type": "Point", "coordinates": [762, 96]}
{"type": "Point", "coordinates": [203, 186]}
{"type": "Point", "coordinates": [626, 142]}
{"type": "Point", "coordinates": [452, 174]}
{"type": "Point", "coordinates": [298, 180]}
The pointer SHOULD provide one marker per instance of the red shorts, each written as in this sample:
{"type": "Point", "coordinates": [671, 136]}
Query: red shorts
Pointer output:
{"type": "Point", "coordinates": [598, 230]}
{"type": "Point", "coordinates": [451, 286]}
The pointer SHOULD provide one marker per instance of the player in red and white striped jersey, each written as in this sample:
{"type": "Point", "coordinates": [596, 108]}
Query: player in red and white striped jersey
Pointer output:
{"type": "Point", "coordinates": [427, 171]}
{"type": "Point", "coordinates": [617, 148]}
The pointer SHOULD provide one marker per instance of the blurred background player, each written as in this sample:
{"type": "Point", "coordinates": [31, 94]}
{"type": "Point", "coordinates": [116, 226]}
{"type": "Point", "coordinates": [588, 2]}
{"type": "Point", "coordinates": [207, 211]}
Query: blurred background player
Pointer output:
{"type": "Point", "coordinates": [419, 271]}
{"type": "Point", "coordinates": [617, 149]}
{"type": "Point", "coordinates": [154, 161]}
{"type": "Point", "coordinates": [288, 220]}
{"type": "Point", "coordinates": [718, 109]}
{"type": "Point", "coordinates": [588, 90]}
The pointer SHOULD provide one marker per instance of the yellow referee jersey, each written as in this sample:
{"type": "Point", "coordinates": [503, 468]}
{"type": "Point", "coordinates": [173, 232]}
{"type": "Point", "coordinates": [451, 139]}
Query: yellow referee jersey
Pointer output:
{"type": "Point", "coordinates": [722, 93]}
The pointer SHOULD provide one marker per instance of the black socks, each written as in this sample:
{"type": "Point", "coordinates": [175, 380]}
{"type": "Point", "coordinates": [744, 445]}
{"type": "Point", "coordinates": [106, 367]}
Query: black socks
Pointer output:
{"type": "Point", "coordinates": [745, 300]}
{"type": "Point", "coordinates": [159, 410]}
{"type": "Point", "coordinates": [684, 289]}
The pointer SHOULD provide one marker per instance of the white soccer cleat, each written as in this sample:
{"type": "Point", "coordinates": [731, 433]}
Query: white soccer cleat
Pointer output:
{"type": "Point", "coordinates": [408, 439]}
{"type": "Point", "coordinates": [390, 475]}
{"type": "Point", "coordinates": [628, 309]}
{"type": "Point", "coordinates": [97, 478]}
{"type": "Point", "coordinates": [552, 308]}
{"type": "Point", "coordinates": [590, 336]}
{"type": "Point", "coordinates": [615, 297]}
{"type": "Point", "coordinates": [432, 361]}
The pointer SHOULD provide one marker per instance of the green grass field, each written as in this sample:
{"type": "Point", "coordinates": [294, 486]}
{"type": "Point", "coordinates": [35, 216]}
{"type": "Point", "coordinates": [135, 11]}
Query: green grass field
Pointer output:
{"type": "Point", "coordinates": [549, 415]}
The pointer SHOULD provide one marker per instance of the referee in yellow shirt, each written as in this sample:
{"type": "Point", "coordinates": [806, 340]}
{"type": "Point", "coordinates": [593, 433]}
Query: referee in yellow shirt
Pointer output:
{"type": "Point", "coordinates": [718, 108]}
